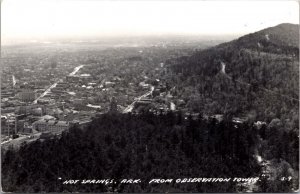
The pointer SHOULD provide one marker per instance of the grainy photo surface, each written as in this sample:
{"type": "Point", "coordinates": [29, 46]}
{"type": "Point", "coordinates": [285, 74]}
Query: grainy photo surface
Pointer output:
{"type": "Point", "coordinates": [149, 96]}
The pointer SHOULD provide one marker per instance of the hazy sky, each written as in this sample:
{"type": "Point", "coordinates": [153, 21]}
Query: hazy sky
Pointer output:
{"type": "Point", "coordinates": [25, 20]}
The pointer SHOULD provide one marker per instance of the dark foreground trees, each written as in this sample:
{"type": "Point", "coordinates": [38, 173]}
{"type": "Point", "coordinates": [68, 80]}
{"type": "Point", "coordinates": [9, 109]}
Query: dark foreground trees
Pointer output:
{"type": "Point", "coordinates": [142, 147]}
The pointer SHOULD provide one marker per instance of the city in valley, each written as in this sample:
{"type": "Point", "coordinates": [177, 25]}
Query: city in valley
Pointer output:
{"type": "Point", "coordinates": [46, 88]}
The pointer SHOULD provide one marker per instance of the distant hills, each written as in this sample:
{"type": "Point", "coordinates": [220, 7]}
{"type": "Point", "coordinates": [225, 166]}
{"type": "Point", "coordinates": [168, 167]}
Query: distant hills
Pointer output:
{"type": "Point", "coordinates": [273, 39]}
{"type": "Point", "coordinates": [281, 39]}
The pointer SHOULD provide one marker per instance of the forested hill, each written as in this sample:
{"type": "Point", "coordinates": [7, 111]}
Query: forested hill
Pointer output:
{"type": "Point", "coordinates": [283, 38]}
{"type": "Point", "coordinates": [259, 71]}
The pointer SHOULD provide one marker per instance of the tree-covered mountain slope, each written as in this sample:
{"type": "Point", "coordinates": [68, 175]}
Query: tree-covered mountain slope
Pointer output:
{"type": "Point", "coordinates": [257, 73]}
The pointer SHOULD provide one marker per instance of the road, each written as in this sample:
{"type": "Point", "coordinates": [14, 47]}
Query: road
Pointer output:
{"type": "Point", "coordinates": [131, 106]}
{"type": "Point", "coordinates": [14, 80]}
{"type": "Point", "coordinates": [45, 93]}
{"type": "Point", "coordinates": [76, 69]}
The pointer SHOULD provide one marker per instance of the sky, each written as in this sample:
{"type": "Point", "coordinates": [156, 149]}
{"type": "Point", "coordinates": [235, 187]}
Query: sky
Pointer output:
{"type": "Point", "coordinates": [36, 20]}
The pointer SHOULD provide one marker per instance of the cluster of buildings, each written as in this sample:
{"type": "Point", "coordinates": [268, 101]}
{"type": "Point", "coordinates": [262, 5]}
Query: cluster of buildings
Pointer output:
{"type": "Point", "coordinates": [48, 96]}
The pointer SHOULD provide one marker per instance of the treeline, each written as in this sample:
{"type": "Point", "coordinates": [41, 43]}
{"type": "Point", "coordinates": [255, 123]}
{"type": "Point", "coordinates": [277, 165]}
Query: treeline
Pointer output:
{"type": "Point", "coordinates": [143, 146]}
{"type": "Point", "coordinates": [147, 146]}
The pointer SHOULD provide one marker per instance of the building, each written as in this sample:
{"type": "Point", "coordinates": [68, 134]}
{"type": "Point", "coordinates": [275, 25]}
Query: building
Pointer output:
{"type": "Point", "coordinates": [44, 101]}
{"type": "Point", "coordinates": [239, 120]}
{"type": "Point", "coordinates": [72, 78]}
{"type": "Point", "coordinates": [113, 105]}
{"type": "Point", "coordinates": [62, 85]}
{"type": "Point", "coordinates": [109, 84]}
{"type": "Point", "coordinates": [79, 103]}
{"type": "Point", "coordinates": [172, 106]}
{"type": "Point", "coordinates": [8, 110]}
{"type": "Point", "coordinates": [85, 77]}
{"type": "Point", "coordinates": [27, 95]}
{"type": "Point", "coordinates": [30, 109]}
{"type": "Point", "coordinates": [51, 126]}
{"type": "Point", "coordinates": [6, 93]}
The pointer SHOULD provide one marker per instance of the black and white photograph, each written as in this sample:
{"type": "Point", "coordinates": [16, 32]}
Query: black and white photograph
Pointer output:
{"type": "Point", "coordinates": [149, 96]}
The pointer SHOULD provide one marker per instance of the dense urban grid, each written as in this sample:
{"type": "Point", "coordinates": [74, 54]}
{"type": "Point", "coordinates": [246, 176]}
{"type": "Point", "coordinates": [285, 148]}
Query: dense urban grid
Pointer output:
{"type": "Point", "coordinates": [51, 87]}
{"type": "Point", "coordinates": [181, 106]}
